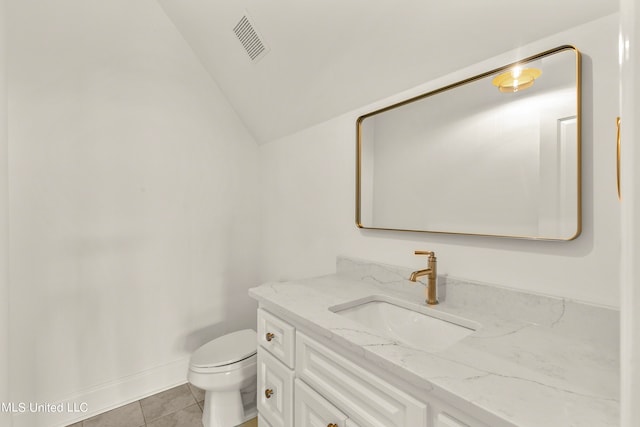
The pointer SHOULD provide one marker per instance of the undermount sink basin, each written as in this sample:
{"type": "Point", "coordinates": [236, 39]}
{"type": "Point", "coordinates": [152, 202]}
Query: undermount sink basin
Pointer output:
{"type": "Point", "coordinates": [419, 327]}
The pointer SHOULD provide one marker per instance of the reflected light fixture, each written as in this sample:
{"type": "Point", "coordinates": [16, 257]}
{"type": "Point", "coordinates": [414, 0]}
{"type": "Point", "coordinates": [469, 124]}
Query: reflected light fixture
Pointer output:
{"type": "Point", "coordinates": [516, 79]}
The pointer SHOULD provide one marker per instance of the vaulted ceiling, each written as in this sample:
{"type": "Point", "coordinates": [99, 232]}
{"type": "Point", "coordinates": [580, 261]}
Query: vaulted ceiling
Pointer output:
{"type": "Point", "coordinates": [327, 57]}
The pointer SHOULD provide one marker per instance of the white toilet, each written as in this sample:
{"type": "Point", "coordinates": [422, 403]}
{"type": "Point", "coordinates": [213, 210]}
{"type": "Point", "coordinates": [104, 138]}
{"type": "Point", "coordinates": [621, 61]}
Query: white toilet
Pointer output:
{"type": "Point", "coordinates": [226, 369]}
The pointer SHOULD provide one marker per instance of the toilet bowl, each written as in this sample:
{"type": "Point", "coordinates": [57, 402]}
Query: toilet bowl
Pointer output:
{"type": "Point", "coordinates": [226, 369]}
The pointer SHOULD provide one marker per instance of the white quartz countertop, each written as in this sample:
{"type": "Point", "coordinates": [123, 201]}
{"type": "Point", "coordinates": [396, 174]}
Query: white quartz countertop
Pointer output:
{"type": "Point", "coordinates": [533, 361]}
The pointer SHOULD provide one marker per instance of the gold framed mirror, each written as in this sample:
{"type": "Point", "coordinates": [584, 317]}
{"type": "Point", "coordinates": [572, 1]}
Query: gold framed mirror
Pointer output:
{"type": "Point", "coordinates": [497, 154]}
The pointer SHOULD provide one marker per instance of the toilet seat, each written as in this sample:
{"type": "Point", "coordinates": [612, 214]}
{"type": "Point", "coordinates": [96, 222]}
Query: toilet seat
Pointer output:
{"type": "Point", "coordinates": [228, 352]}
{"type": "Point", "coordinates": [249, 361]}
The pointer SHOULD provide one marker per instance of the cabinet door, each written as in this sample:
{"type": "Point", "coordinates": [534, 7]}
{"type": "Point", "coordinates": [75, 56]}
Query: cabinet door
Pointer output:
{"type": "Point", "coordinates": [275, 390]}
{"type": "Point", "coordinates": [313, 410]}
{"type": "Point", "coordinates": [262, 422]}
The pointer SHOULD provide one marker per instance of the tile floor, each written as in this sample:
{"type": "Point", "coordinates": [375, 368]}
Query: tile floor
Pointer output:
{"type": "Point", "coordinates": [177, 407]}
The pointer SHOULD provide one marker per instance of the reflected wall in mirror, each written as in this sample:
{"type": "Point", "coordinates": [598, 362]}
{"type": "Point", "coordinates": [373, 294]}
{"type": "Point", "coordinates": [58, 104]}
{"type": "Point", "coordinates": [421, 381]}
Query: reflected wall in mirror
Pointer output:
{"type": "Point", "coordinates": [473, 158]}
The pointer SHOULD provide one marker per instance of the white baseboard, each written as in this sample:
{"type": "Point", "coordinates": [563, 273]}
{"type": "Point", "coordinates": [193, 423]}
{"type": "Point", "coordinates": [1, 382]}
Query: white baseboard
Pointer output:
{"type": "Point", "coordinates": [102, 398]}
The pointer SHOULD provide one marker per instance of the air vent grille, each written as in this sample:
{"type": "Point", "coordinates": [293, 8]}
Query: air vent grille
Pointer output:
{"type": "Point", "coordinates": [251, 41]}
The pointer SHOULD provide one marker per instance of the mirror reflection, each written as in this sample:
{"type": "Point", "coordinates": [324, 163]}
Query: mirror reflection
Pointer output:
{"type": "Point", "coordinates": [497, 154]}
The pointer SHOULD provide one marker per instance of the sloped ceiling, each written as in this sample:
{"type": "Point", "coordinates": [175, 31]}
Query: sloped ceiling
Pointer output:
{"type": "Point", "coordinates": [328, 57]}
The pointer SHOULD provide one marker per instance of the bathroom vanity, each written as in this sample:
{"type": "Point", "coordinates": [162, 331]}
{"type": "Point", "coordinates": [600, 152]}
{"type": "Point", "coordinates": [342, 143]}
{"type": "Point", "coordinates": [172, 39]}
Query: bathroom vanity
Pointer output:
{"type": "Point", "coordinates": [360, 348]}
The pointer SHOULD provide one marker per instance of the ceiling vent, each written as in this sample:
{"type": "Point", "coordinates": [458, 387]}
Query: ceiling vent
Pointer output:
{"type": "Point", "coordinates": [250, 39]}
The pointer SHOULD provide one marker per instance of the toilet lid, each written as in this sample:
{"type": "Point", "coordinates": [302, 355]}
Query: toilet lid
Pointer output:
{"type": "Point", "coordinates": [226, 349]}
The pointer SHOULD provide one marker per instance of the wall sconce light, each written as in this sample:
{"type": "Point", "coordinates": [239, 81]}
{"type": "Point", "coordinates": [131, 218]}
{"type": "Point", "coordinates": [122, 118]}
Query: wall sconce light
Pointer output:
{"type": "Point", "coordinates": [516, 79]}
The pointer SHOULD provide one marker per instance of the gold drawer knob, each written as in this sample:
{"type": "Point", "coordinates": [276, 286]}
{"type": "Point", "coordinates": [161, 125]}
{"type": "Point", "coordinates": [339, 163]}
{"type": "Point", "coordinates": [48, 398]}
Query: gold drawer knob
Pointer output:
{"type": "Point", "coordinates": [268, 393]}
{"type": "Point", "coordinates": [332, 425]}
{"type": "Point", "coordinates": [270, 336]}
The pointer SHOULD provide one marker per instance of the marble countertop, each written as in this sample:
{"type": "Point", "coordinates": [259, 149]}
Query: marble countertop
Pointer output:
{"type": "Point", "coordinates": [533, 361]}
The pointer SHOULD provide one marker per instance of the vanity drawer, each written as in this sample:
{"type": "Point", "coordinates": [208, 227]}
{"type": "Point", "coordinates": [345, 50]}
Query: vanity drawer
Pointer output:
{"type": "Point", "coordinates": [367, 399]}
{"type": "Point", "coordinates": [446, 415]}
{"type": "Point", "coordinates": [445, 420]}
{"type": "Point", "coordinates": [313, 410]}
{"type": "Point", "coordinates": [275, 390]}
{"type": "Point", "coordinates": [277, 336]}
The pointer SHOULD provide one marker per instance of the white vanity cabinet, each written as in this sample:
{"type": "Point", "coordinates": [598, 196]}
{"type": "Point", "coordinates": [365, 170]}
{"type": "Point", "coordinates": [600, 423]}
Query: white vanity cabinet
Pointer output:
{"type": "Point", "coordinates": [303, 383]}
{"type": "Point", "coordinates": [277, 336]}
{"type": "Point", "coordinates": [275, 390]}
{"type": "Point", "coordinates": [374, 402]}
{"type": "Point", "coordinates": [312, 410]}
{"type": "Point", "coordinates": [262, 422]}
{"type": "Point", "coordinates": [276, 351]}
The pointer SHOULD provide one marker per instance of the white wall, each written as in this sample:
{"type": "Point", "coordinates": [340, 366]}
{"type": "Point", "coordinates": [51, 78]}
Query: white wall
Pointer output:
{"type": "Point", "coordinates": [132, 204]}
{"type": "Point", "coordinates": [308, 192]}
{"type": "Point", "coordinates": [4, 276]}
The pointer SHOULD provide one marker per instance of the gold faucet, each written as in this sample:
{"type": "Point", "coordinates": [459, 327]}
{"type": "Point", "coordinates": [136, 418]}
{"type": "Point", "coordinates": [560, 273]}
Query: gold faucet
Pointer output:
{"type": "Point", "coordinates": [432, 274]}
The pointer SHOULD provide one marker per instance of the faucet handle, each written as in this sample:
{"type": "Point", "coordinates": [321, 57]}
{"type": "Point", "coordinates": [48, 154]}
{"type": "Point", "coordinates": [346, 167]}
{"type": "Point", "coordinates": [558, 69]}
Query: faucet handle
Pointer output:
{"type": "Point", "coordinates": [429, 253]}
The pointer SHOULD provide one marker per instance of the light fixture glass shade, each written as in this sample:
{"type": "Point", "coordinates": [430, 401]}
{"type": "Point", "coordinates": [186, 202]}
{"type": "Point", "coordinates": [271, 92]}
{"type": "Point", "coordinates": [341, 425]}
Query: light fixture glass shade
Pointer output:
{"type": "Point", "coordinates": [516, 79]}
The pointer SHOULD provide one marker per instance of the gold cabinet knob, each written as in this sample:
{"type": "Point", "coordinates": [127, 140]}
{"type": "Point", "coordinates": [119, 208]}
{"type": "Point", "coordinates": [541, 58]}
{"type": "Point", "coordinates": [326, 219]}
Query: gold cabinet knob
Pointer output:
{"type": "Point", "coordinates": [270, 336]}
{"type": "Point", "coordinates": [268, 393]}
{"type": "Point", "coordinates": [332, 425]}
